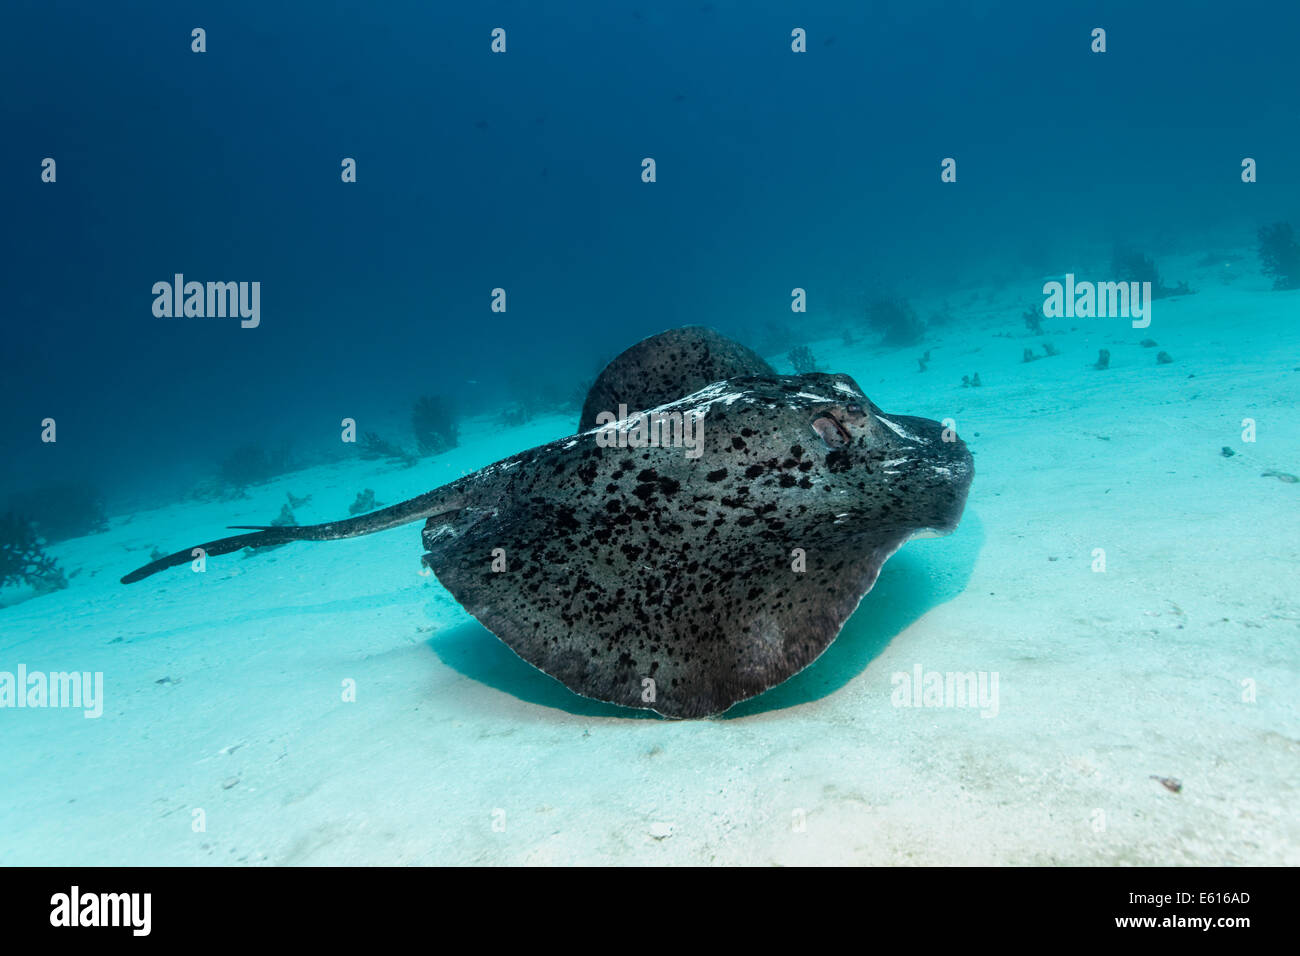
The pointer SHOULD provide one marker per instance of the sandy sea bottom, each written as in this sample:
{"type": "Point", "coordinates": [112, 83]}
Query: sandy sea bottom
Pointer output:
{"type": "Point", "coordinates": [225, 737]}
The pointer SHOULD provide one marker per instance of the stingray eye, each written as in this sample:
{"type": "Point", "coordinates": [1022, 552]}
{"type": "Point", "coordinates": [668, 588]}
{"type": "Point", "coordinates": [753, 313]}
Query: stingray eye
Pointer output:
{"type": "Point", "coordinates": [831, 432]}
{"type": "Point", "coordinates": [853, 409]}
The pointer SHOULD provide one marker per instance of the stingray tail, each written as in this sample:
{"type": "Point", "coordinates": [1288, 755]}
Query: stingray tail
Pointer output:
{"type": "Point", "coordinates": [440, 501]}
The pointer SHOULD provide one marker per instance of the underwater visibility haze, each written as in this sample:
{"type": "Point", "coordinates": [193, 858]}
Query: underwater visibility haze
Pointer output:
{"type": "Point", "coordinates": [683, 433]}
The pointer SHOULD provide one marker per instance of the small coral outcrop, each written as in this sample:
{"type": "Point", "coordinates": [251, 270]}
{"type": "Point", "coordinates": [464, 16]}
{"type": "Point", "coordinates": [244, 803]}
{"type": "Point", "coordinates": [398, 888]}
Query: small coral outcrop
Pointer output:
{"type": "Point", "coordinates": [250, 464]}
{"type": "Point", "coordinates": [61, 509]}
{"type": "Point", "coordinates": [802, 360]}
{"type": "Point", "coordinates": [365, 502]}
{"type": "Point", "coordinates": [374, 448]}
{"type": "Point", "coordinates": [1129, 265]}
{"type": "Point", "coordinates": [896, 321]}
{"type": "Point", "coordinates": [285, 519]}
{"type": "Point", "coordinates": [433, 419]}
{"type": "Point", "coordinates": [23, 560]}
{"type": "Point", "coordinates": [1279, 255]}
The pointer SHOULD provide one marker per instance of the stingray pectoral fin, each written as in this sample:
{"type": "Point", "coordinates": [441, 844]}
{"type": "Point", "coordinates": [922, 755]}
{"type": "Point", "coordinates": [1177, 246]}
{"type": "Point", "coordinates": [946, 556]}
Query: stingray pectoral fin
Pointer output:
{"type": "Point", "coordinates": [437, 502]}
{"type": "Point", "coordinates": [608, 625]}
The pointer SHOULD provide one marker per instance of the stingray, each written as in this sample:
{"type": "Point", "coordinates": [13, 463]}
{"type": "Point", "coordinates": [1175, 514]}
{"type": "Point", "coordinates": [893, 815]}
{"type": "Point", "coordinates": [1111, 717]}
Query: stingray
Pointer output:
{"type": "Point", "coordinates": [673, 579]}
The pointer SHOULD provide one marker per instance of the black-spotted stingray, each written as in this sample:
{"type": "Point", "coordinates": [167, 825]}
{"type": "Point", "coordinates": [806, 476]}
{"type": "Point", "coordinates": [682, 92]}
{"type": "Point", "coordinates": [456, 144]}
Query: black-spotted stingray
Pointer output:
{"type": "Point", "coordinates": [670, 578]}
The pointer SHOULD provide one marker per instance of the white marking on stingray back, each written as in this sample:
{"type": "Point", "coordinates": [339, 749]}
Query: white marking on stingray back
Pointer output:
{"type": "Point", "coordinates": [902, 432]}
{"type": "Point", "coordinates": [697, 403]}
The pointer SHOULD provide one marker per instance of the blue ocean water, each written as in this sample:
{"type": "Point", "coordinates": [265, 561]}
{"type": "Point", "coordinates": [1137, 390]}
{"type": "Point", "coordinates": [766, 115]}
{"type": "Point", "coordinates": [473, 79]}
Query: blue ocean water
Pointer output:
{"type": "Point", "coordinates": [522, 171]}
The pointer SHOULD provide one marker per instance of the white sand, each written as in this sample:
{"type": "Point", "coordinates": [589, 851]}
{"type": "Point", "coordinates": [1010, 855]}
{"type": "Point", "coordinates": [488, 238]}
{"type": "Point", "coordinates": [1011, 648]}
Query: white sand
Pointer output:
{"type": "Point", "coordinates": [1105, 679]}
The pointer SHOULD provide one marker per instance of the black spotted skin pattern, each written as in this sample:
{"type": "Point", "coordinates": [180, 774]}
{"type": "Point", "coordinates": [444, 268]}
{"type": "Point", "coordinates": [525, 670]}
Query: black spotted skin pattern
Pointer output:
{"type": "Point", "coordinates": [648, 578]}
{"type": "Point", "coordinates": [666, 367]}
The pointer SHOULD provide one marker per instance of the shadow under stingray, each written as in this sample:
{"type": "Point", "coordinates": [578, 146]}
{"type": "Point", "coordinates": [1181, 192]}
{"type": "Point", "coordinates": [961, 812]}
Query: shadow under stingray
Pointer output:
{"type": "Point", "coordinates": [475, 652]}
{"type": "Point", "coordinates": [922, 575]}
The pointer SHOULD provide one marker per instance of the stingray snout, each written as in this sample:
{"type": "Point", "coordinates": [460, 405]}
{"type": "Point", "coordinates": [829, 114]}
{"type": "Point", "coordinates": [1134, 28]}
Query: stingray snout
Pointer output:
{"type": "Point", "coordinates": [939, 465]}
